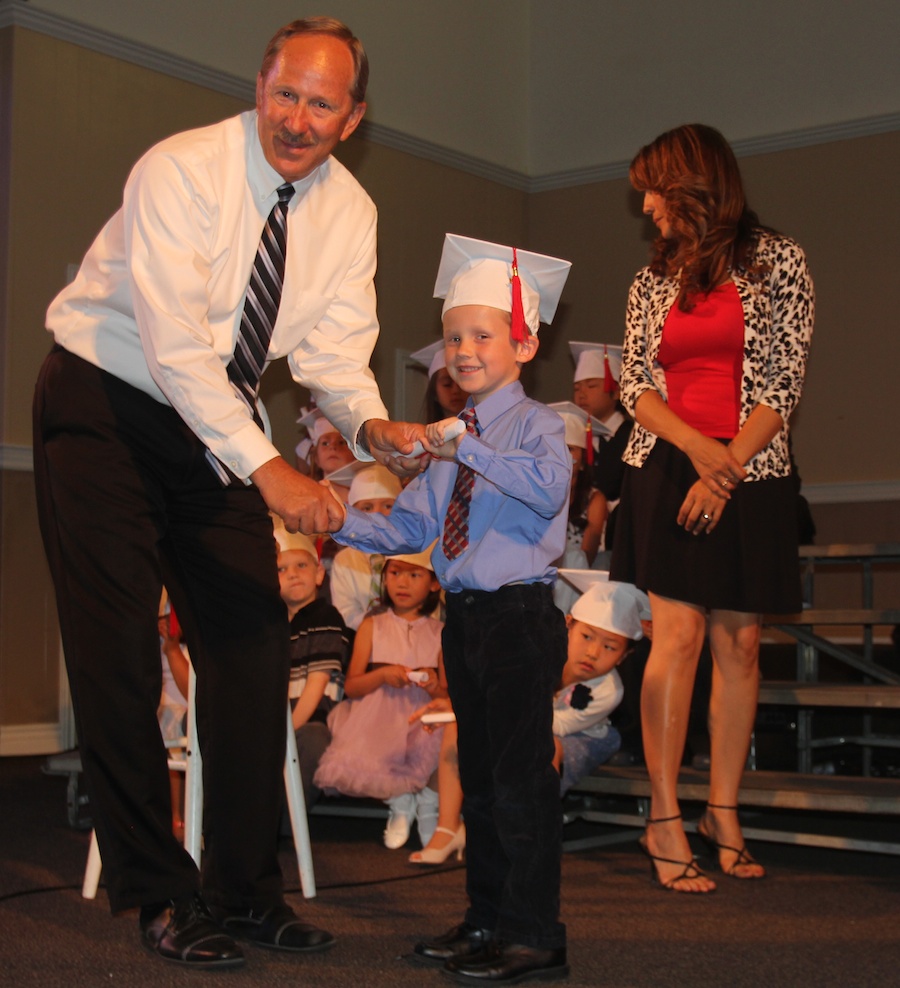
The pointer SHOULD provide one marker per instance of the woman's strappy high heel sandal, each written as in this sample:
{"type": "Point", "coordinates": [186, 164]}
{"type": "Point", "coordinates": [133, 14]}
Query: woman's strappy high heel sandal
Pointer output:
{"type": "Point", "coordinates": [743, 856]}
{"type": "Point", "coordinates": [690, 869]}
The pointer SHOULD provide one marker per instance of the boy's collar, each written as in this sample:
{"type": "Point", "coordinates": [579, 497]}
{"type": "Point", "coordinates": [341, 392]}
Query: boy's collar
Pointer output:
{"type": "Point", "coordinates": [498, 402]}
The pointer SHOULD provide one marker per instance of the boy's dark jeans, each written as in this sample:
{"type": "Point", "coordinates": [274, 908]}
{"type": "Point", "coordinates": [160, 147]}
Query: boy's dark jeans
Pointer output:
{"type": "Point", "coordinates": [504, 651]}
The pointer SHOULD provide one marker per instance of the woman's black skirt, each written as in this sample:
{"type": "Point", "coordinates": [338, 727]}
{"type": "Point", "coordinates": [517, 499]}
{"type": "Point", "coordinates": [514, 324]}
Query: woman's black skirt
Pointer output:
{"type": "Point", "coordinates": [749, 562]}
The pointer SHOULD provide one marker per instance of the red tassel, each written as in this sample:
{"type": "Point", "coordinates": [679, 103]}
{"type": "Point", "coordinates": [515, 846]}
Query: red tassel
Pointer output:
{"type": "Point", "coordinates": [320, 546]}
{"type": "Point", "coordinates": [589, 449]}
{"type": "Point", "coordinates": [519, 330]}
{"type": "Point", "coordinates": [609, 385]}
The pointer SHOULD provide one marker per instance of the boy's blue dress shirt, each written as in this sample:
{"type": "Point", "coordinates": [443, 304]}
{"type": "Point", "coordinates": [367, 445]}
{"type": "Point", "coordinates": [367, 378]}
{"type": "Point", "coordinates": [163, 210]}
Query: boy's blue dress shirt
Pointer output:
{"type": "Point", "coordinates": [517, 519]}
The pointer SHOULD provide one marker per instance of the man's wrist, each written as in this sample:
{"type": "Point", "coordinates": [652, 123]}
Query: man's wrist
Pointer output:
{"type": "Point", "coordinates": [362, 438]}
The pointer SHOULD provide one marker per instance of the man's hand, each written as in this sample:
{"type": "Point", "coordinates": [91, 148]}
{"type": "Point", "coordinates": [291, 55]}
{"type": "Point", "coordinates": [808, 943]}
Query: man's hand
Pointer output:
{"type": "Point", "coordinates": [388, 439]}
{"type": "Point", "coordinates": [304, 505]}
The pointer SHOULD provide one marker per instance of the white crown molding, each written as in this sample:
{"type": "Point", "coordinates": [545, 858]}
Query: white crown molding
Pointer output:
{"type": "Point", "coordinates": [388, 137]}
{"type": "Point", "coordinates": [743, 148]}
{"type": "Point", "coordinates": [21, 14]}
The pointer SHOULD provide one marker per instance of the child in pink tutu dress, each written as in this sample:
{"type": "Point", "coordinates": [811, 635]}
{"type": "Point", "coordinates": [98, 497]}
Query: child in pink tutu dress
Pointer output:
{"type": "Point", "coordinates": [394, 669]}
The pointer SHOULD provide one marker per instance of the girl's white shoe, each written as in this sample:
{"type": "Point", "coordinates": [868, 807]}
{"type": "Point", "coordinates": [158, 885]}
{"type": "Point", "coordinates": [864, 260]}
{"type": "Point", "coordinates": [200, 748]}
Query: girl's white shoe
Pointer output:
{"type": "Point", "coordinates": [403, 810]}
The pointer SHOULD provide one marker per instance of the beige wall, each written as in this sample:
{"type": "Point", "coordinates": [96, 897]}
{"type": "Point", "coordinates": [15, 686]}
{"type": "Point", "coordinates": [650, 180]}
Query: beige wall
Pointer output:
{"type": "Point", "coordinates": [66, 174]}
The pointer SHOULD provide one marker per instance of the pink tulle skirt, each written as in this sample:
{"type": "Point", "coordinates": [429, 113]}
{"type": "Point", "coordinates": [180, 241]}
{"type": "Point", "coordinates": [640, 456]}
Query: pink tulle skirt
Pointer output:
{"type": "Point", "coordinates": [374, 750]}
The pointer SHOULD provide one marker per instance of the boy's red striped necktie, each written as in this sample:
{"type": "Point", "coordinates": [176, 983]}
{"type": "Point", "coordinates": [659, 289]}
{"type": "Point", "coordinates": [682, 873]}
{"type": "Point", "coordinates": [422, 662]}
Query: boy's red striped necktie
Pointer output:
{"type": "Point", "coordinates": [456, 523]}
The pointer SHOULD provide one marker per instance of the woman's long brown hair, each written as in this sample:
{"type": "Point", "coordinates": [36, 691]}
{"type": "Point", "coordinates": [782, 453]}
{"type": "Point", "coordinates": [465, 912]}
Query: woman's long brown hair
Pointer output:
{"type": "Point", "coordinates": [714, 231]}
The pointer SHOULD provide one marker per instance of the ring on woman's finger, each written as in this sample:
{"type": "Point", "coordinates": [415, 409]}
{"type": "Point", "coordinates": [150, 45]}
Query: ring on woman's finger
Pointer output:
{"type": "Point", "coordinates": [705, 516]}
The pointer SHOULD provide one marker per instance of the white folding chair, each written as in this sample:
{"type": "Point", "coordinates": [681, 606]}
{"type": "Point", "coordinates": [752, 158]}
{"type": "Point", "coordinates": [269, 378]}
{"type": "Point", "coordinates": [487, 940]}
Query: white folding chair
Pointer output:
{"type": "Point", "coordinates": [191, 763]}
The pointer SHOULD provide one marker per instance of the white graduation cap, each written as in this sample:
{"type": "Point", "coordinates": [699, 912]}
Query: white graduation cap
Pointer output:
{"type": "Point", "coordinates": [597, 583]}
{"type": "Point", "coordinates": [315, 424]}
{"type": "Point", "coordinates": [431, 357]}
{"type": "Point", "coordinates": [584, 579]}
{"type": "Point", "coordinates": [373, 481]}
{"type": "Point", "coordinates": [576, 420]}
{"type": "Point", "coordinates": [611, 607]}
{"type": "Point", "coordinates": [597, 360]}
{"type": "Point", "coordinates": [294, 541]}
{"type": "Point", "coordinates": [346, 474]}
{"type": "Point", "coordinates": [478, 272]}
{"type": "Point", "coordinates": [422, 559]}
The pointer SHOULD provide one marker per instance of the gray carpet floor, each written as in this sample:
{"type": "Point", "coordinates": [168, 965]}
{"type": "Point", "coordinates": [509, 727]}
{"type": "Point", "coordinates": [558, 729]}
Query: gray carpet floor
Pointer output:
{"type": "Point", "coordinates": [821, 918]}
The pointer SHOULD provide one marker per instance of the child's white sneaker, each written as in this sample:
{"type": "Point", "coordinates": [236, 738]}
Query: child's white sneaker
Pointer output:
{"type": "Point", "coordinates": [403, 809]}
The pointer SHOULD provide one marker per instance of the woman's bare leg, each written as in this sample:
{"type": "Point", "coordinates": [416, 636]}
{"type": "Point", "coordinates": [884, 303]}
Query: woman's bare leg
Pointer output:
{"type": "Point", "coordinates": [678, 633]}
{"type": "Point", "coordinates": [734, 642]}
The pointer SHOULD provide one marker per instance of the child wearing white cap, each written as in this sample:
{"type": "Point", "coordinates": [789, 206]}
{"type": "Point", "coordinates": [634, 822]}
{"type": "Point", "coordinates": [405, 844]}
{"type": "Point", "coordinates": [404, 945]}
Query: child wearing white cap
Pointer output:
{"type": "Point", "coordinates": [356, 575]}
{"type": "Point", "coordinates": [598, 367]}
{"type": "Point", "coordinates": [604, 624]}
{"type": "Point", "coordinates": [326, 450]}
{"type": "Point", "coordinates": [495, 498]}
{"type": "Point", "coordinates": [320, 648]}
{"type": "Point", "coordinates": [587, 506]}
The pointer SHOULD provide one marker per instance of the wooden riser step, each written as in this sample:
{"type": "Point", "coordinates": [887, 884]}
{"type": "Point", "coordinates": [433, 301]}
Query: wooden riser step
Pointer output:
{"type": "Point", "coordinates": [797, 694]}
{"type": "Point", "coordinates": [778, 790]}
{"type": "Point", "coordinates": [871, 617]}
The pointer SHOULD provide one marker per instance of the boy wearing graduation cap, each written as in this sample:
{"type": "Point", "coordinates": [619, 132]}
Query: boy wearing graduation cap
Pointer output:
{"type": "Point", "coordinates": [598, 367]}
{"type": "Point", "coordinates": [495, 499]}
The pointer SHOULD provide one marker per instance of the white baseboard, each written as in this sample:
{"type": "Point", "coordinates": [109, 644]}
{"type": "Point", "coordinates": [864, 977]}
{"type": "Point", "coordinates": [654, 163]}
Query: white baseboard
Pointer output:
{"type": "Point", "coordinates": [30, 739]}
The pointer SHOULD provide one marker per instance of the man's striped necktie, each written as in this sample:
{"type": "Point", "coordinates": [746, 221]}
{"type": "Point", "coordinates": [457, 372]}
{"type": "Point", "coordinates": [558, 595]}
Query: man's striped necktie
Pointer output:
{"type": "Point", "coordinates": [260, 312]}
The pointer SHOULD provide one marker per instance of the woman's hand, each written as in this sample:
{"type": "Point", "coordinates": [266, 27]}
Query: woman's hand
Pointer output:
{"type": "Point", "coordinates": [716, 465]}
{"type": "Point", "coordinates": [701, 510]}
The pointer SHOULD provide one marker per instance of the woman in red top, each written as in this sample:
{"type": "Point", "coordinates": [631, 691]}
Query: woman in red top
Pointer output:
{"type": "Point", "coordinates": [718, 331]}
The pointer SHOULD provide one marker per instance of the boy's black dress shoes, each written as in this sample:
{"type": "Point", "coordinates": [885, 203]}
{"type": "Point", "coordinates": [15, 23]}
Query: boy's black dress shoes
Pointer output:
{"type": "Point", "coordinates": [276, 927]}
{"type": "Point", "coordinates": [462, 941]}
{"type": "Point", "coordinates": [183, 931]}
{"type": "Point", "coordinates": [508, 964]}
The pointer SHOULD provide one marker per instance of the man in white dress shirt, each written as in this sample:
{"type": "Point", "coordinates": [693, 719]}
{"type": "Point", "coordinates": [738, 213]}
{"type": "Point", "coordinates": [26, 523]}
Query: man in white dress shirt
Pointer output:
{"type": "Point", "coordinates": [130, 403]}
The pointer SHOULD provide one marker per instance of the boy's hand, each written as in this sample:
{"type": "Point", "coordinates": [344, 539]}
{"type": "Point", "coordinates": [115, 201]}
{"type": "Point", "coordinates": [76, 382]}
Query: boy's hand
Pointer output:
{"type": "Point", "coordinates": [440, 705]}
{"type": "Point", "coordinates": [442, 438]}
